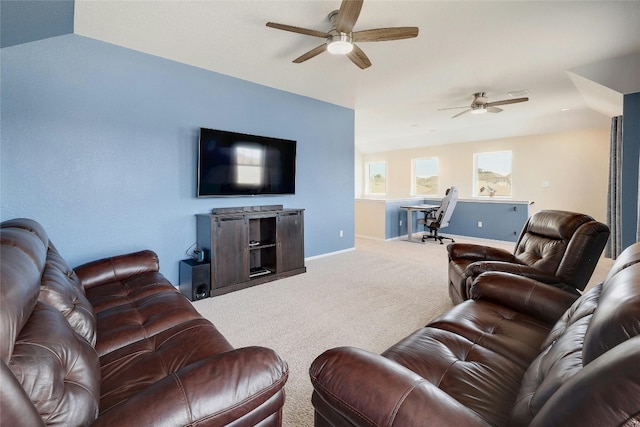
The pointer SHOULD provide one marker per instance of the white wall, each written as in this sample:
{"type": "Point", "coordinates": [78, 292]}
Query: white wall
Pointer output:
{"type": "Point", "coordinates": [575, 164]}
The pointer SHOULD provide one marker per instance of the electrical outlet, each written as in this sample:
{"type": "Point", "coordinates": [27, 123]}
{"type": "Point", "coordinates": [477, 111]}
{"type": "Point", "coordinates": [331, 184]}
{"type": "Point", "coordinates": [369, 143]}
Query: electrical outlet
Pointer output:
{"type": "Point", "coordinates": [341, 233]}
{"type": "Point", "coordinates": [400, 223]}
{"type": "Point", "coordinates": [479, 224]}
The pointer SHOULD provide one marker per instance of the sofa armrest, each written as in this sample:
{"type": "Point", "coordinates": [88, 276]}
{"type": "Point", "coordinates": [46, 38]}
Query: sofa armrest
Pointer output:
{"type": "Point", "coordinates": [475, 252]}
{"type": "Point", "coordinates": [361, 388]}
{"type": "Point", "coordinates": [246, 383]}
{"type": "Point", "coordinates": [117, 268]}
{"type": "Point", "coordinates": [539, 300]}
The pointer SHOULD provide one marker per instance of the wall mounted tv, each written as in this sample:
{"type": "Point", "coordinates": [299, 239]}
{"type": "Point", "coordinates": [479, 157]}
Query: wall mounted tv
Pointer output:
{"type": "Point", "coordinates": [235, 164]}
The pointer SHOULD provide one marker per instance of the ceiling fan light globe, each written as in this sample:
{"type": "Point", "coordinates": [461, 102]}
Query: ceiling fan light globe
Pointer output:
{"type": "Point", "coordinates": [478, 111]}
{"type": "Point", "coordinates": [340, 44]}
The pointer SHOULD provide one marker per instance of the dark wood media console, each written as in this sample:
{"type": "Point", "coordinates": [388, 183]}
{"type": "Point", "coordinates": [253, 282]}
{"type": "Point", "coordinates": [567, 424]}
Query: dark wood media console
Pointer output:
{"type": "Point", "coordinates": [249, 246]}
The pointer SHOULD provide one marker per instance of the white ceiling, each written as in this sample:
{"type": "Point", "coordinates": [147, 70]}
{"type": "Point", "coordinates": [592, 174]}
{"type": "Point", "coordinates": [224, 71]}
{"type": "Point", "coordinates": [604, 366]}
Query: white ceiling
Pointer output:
{"type": "Point", "coordinates": [561, 52]}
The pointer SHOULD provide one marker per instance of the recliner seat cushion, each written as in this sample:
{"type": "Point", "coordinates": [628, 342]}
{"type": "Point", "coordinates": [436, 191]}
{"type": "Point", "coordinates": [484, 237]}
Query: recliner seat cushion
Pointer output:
{"type": "Point", "coordinates": [476, 353]}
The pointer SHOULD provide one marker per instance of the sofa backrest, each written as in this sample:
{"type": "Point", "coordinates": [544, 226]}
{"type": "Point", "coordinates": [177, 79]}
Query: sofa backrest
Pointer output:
{"type": "Point", "coordinates": [50, 372]}
{"type": "Point", "coordinates": [587, 372]}
{"type": "Point", "coordinates": [564, 244]}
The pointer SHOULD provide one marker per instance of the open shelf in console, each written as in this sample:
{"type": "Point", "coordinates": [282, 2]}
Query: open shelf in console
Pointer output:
{"type": "Point", "coordinates": [262, 246]}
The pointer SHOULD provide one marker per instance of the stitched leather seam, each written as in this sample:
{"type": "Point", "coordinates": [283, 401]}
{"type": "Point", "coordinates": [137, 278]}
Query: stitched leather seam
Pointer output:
{"type": "Point", "coordinates": [402, 399]}
{"type": "Point", "coordinates": [359, 414]}
{"type": "Point", "coordinates": [183, 396]}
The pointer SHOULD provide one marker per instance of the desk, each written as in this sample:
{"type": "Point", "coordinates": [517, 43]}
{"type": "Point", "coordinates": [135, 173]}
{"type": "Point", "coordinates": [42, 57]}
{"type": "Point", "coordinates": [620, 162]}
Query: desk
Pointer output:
{"type": "Point", "coordinates": [415, 208]}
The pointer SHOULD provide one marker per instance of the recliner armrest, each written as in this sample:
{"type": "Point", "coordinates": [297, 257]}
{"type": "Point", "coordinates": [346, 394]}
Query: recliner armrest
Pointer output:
{"type": "Point", "coordinates": [117, 268]}
{"type": "Point", "coordinates": [365, 389]}
{"type": "Point", "coordinates": [539, 300]}
{"type": "Point", "coordinates": [477, 268]}
{"type": "Point", "coordinates": [475, 252]}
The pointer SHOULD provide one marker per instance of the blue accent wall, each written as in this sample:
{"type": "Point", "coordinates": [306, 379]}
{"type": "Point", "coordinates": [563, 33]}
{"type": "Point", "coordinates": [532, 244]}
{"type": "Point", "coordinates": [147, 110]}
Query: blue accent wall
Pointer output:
{"type": "Point", "coordinates": [25, 21]}
{"type": "Point", "coordinates": [500, 220]}
{"type": "Point", "coordinates": [630, 164]}
{"type": "Point", "coordinates": [99, 145]}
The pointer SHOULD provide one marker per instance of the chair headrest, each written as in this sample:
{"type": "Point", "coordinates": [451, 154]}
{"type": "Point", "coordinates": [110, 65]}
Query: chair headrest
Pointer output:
{"type": "Point", "coordinates": [556, 224]}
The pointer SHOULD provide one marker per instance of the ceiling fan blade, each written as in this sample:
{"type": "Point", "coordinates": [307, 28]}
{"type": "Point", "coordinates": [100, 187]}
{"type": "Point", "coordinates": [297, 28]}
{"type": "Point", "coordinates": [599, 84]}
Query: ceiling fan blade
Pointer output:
{"type": "Point", "coordinates": [358, 57]}
{"type": "Point", "coordinates": [506, 101]}
{"type": "Point", "coordinates": [452, 108]}
{"type": "Point", "coordinates": [313, 52]}
{"type": "Point", "coordinates": [348, 15]}
{"type": "Point", "coordinates": [459, 114]}
{"type": "Point", "coordinates": [384, 34]}
{"type": "Point", "coordinates": [298, 30]}
{"type": "Point", "coordinates": [493, 109]}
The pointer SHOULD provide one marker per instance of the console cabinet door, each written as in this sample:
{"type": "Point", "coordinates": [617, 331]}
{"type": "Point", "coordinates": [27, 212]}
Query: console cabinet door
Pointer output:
{"type": "Point", "coordinates": [229, 256]}
{"type": "Point", "coordinates": [290, 240]}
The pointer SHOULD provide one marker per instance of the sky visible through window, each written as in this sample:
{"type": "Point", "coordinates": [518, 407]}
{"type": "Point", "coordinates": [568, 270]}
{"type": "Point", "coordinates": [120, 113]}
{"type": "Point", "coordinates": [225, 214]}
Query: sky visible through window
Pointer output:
{"type": "Point", "coordinates": [426, 168]}
{"type": "Point", "coordinates": [493, 174]}
{"type": "Point", "coordinates": [376, 168]}
{"type": "Point", "coordinates": [498, 162]}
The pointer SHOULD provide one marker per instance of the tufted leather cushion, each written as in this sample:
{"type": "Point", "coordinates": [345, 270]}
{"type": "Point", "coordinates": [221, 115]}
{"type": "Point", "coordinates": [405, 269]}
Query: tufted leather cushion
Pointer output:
{"type": "Point", "coordinates": [617, 317]}
{"type": "Point", "coordinates": [61, 288]}
{"type": "Point", "coordinates": [476, 353]}
{"type": "Point", "coordinates": [23, 259]}
{"type": "Point", "coordinates": [546, 237]}
{"type": "Point", "coordinates": [58, 369]}
{"type": "Point", "coordinates": [560, 359]}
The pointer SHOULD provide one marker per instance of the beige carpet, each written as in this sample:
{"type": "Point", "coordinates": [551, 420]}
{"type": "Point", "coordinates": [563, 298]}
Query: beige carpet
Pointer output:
{"type": "Point", "coordinates": [369, 297]}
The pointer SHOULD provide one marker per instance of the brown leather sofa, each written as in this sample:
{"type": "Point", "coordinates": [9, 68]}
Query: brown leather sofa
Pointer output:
{"type": "Point", "coordinates": [559, 248]}
{"type": "Point", "coordinates": [113, 343]}
{"type": "Point", "coordinates": [513, 355]}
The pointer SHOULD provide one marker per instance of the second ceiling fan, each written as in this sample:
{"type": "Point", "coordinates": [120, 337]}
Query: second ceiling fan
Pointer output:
{"type": "Point", "coordinates": [340, 39]}
{"type": "Point", "coordinates": [481, 104]}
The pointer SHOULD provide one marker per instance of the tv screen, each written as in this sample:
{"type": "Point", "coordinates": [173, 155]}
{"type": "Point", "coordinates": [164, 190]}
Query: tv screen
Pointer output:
{"type": "Point", "coordinates": [235, 164]}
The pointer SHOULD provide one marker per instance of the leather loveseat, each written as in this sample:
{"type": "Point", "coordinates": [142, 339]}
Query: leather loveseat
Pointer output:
{"type": "Point", "coordinates": [114, 343]}
{"type": "Point", "coordinates": [519, 353]}
{"type": "Point", "coordinates": [559, 248]}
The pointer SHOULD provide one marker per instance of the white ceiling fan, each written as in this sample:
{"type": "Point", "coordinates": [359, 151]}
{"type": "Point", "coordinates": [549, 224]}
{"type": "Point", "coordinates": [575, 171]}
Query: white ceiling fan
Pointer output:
{"type": "Point", "coordinates": [481, 104]}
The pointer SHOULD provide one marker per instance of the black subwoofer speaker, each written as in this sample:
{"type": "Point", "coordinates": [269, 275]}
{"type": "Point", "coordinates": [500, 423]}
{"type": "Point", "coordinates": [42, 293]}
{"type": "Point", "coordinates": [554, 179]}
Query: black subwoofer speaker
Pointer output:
{"type": "Point", "coordinates": [195, 279]}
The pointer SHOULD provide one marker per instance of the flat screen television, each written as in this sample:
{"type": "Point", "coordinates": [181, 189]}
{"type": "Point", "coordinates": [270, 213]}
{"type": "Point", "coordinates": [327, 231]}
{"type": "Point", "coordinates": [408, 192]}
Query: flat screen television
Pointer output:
{"type": "Point", "coordinates": [236, 164]}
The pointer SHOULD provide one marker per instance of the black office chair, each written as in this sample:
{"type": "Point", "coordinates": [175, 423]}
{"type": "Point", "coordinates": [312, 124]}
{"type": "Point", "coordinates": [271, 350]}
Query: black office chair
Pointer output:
{"type": "Point", "coordinates": [435, 220]}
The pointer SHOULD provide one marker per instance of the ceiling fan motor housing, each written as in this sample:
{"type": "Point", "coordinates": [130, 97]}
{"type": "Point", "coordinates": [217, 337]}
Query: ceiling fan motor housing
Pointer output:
{"type": "Point", "coordinates": [339, 43]}
{"type": "Point", "coordinates": [480, 98]}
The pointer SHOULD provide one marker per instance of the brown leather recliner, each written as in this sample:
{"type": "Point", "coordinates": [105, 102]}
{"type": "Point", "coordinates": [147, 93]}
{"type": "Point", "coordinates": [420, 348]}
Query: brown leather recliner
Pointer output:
{"type": "Point", "coordinates": [518, 353]}
{"type": "Point", "coordinates": [559, 248]}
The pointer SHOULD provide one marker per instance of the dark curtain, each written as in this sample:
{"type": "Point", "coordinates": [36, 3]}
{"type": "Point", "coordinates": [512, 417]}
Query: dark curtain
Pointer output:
{"type": "Point", "coordinates": [614, 192]}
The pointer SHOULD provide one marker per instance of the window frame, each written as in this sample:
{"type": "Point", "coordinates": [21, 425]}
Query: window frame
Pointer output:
{"type": "Point", "coordinates": [368, 190]}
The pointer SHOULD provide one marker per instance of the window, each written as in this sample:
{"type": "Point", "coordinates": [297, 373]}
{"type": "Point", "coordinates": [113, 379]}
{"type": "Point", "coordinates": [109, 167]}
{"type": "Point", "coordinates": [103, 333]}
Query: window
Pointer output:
{"type": "Point", "coordinates": [376, 178]}
{"type": "Point", "coordinates": [425, 177]}
{"type": "Point", "coordinates": [492, 174]}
